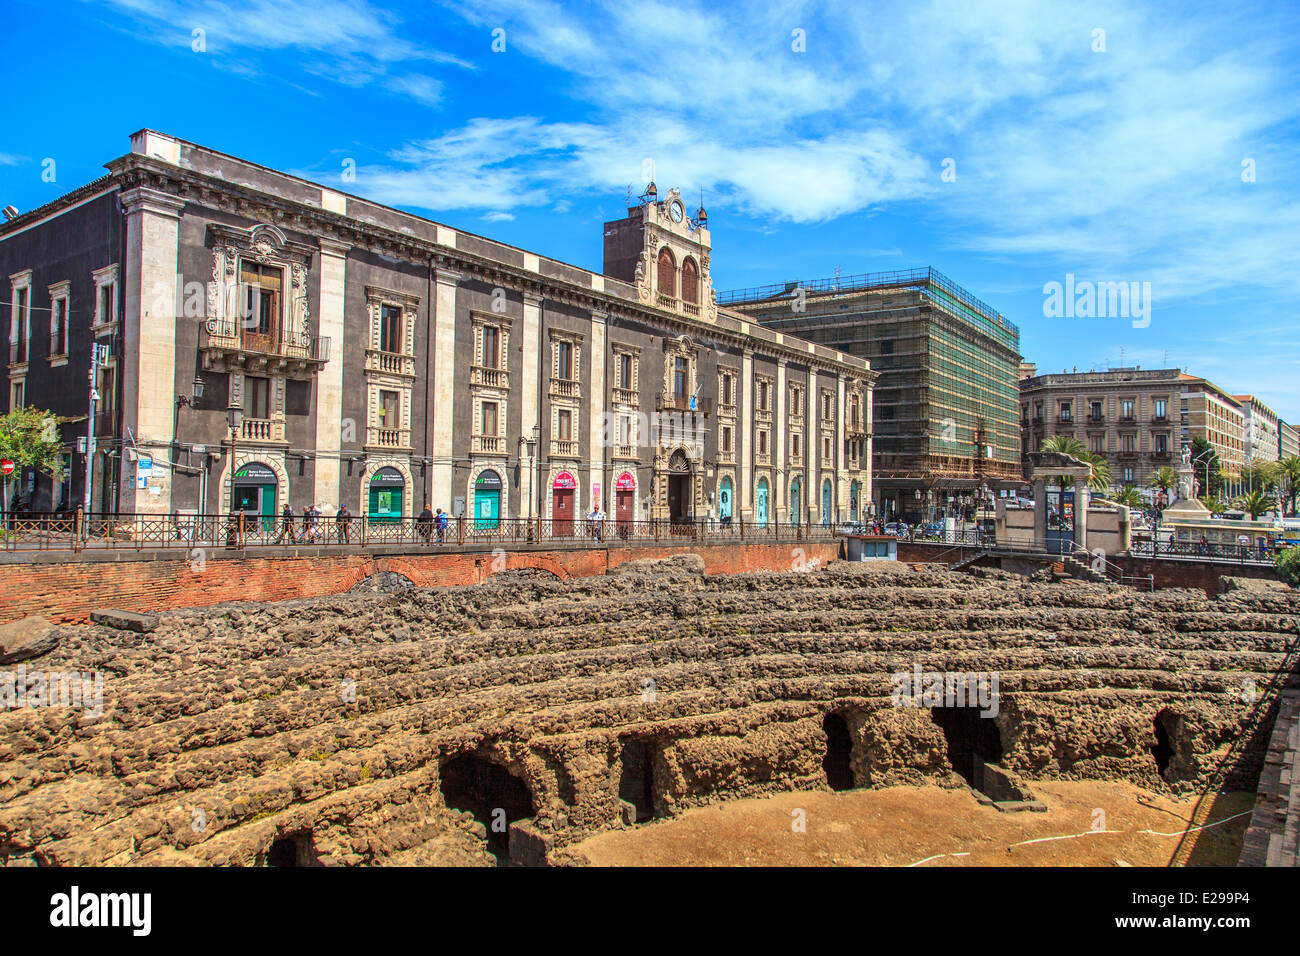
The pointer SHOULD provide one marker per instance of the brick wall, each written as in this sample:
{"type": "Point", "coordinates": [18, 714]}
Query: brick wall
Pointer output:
{"type": "Point", "coordinates": [67, 591]}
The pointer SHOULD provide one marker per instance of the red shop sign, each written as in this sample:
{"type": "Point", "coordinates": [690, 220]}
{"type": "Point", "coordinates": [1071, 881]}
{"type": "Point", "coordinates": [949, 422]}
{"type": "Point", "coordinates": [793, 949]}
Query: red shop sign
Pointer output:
{"type": "Point", "coordinates": [625, 482]}
{"type": "Point", "coordinates": [564, 480]}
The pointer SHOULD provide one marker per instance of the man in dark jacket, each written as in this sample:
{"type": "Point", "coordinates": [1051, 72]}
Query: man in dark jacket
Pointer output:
{"type": "Point", "coordinates": [343, 520]}
{"type": "Point", "coordinates": [425, 523]}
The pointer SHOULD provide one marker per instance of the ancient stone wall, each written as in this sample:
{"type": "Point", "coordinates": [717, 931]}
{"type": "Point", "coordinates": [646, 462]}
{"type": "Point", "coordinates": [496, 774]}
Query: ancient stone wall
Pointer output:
{"type": "Point", "coordinates": [329, 729]}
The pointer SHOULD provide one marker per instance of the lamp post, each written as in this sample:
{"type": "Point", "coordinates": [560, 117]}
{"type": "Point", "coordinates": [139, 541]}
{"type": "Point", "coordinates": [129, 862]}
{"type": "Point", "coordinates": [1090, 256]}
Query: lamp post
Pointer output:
{"type": "Point", "coordinates": [189, 401]}
{"type": "Point", "coordinates": [235, 418]}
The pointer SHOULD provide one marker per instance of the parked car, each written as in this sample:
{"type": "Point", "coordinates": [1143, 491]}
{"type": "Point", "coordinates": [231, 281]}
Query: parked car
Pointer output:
{"type": "Point", "coordinates": [933, 529]}
{"type": "Point", "coordinates": [896, 528]}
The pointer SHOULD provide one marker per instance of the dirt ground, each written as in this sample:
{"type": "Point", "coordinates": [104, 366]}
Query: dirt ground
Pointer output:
{"type": "Point", "coordinates": [930, 826]}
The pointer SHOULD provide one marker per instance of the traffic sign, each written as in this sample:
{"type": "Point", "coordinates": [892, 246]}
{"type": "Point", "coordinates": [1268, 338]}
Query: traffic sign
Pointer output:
{"type": "Point", "coordinates": [6, 467]}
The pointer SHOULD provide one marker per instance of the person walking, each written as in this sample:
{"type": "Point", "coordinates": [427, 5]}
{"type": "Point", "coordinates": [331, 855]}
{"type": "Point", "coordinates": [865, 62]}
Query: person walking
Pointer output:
{"type": "Point", "coordinates": [440, 521]}
{"type": "Point", "coordinates": [424, 523]}
{"type": "Point", "coordinates": [343, 521]}
{"type": "Point", "coordinates": [286, 525]}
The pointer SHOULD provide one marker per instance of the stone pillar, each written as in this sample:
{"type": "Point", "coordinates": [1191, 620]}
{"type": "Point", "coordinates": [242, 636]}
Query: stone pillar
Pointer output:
{"type": "Point", "coordinates": [597, 449]}
{"type": "Point", "coordinates": [530, 413]}
{"type": "Point", "coordinates": [444, 387]}
{"type": "Point", "coordinates": [745, 413]}
{"type": "Point", "coordinates": [329, 381]}
{"type": "Point", "coordinates": [1040, 512]}
{"type": "Point", "coordinates": [1081, 513]}
{"type": "Point", "coordinates": [779, 423]}
{"type": "Point", "coordinates": [149, 343]}
{"type": "Point", "coordinates": [841, 463]}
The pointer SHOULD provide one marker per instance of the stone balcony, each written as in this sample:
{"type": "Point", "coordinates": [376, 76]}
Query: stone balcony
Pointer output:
{"type": "Point", "coordinates": [487, 445]}
{"type": "Point", "coordinates": [399, 438]}
{"type": "Point", "coordinates": [566, 388]}
{"type": "Point", "coordinates": [390, 363]}
{"type": "Point", "coordinates": [227, 347]}
{"type": "Point", "coordinates": [489, 377]}
{"type": "Point", "coordinates": [564, 448]}
{"type": "Point", "coordinates": [264, 431]}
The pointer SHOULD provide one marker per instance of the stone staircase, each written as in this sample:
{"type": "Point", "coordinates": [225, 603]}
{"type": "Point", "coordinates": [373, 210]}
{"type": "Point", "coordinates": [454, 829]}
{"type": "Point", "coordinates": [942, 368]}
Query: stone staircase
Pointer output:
{"type": "Point", "coordinates": [1084, 572]}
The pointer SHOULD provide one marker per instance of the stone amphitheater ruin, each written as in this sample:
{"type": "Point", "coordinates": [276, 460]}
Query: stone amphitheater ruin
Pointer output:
{"type": "Point", "coordinates": [397, 726]}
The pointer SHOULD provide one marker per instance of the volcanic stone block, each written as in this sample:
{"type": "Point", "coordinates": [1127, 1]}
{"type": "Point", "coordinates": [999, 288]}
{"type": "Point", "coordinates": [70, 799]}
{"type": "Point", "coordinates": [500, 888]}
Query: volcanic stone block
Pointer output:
{"type": "Point", "coordinates": [25, 639]}
{"type": "Point", "coordinates": [125, 620]}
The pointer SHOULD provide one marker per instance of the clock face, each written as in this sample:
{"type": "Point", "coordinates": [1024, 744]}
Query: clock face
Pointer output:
{"type": "Point", "coordinates": [676, 211]}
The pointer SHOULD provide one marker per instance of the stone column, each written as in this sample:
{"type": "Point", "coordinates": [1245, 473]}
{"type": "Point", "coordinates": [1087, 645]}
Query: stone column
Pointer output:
{"type": "Point", "coordinates": [1040, 511]}
{"type": "Point", "coordinates": [599, 396]}
{"type": "Point", "coordinates": [745, 416]}
{"type": "Point", "coordinates": [778, 436]}
{"type": "Point", "coordinates": [149, 342]}
{"type": "Point", "coordinates": [329, 381]}
{"type": "Point", "coordinates": [529, 412]}
{"type": "Point", "coordinates": [444, 386]}
{"type": "Point", "coordinates": [841, 464]}
{"type": "Point", "coordinates": [1081, 513]}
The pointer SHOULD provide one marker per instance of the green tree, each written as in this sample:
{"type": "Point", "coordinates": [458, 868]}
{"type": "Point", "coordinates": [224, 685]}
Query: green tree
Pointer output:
{"type": "Point", "coordinates": [1213, 502]}
{"type": "Point", "coordinates": [30, 438]}
{"type": "Point", "coordinates": [1254, 503]}
{"type": "Point", "coordinates": [1289, 479]}
{"type": "Point", "coordinates": [1288, 566]}
{"type": "Point", "coordinates": [1205, 466]}
{"type": "Point", "coordinates": [1129, 496]}
{"type": "Point", "coordinates": [1166, 480]}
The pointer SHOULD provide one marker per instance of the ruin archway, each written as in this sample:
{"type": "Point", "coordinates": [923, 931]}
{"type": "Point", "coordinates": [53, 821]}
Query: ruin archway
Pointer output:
{"type": "Point", "coordinates": [636, 782]}
{"type": "Point", "coordinates": [293, 849]}
{"type": "Point", "coordinates": [492, 794]}
{"type": "Point", "coordinates": [1171, 749]}
{"type": "Point", "coordinates": [838, 760]}
{"type": "Point", "coordinates": [972, 741]}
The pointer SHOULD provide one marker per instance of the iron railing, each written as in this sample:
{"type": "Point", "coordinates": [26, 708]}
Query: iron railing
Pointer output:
{"type": "Point", "coordinates": [76, 531]}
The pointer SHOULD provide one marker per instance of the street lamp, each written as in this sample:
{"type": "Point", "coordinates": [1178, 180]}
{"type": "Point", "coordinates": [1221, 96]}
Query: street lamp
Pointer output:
{"type": "Point", "coordinates": [192, 399]}
{"type": "Point", "coordinates": [235, 418]}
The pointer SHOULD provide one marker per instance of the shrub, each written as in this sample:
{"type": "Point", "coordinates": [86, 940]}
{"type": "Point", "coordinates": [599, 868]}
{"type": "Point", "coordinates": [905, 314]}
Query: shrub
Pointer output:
{"type": "Point", "coordinates": [1288, 566]}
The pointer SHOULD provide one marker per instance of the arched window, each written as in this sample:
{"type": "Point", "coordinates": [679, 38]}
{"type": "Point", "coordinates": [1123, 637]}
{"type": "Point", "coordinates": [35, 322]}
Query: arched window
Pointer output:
{"type": "Point", "coordinates": [690, 281]}
{"type": "Point", "coordinates": [667, 273]}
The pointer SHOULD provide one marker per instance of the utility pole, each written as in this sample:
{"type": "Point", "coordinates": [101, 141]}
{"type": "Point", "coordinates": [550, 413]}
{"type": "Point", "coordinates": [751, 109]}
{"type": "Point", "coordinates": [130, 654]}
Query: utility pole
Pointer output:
{"type": "Point", "coordinates": [98, 356]}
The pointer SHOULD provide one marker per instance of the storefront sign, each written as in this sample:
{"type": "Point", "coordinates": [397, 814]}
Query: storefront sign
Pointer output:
{"type": "Point", "coordinates": [564, 481]}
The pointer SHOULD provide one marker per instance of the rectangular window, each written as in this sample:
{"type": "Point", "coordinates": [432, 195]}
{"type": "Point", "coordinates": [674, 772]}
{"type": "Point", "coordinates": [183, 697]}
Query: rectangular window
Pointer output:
{"type": "Point", "coordinates": [257, 397]}
{"type": "Point", "coordinates": [1126, 408]}
{"type": "Point", "coordinates": [727, 398]}
{"type": "Point", "coordinates": [59, 326]}
{"type": "Point", "coordinates": [1128, 443]}
{"type": "Point", "coordinates": [681, 375]}
{"type": "Point", "coordinates": [625, 372]}
{"type": "Point", "coordinates": [388, 405]}
{"type": "Point", "coordinates": [726, 438]}
{"type": "Point", "coordinates": [794, 446]}
{"type": "Point", "coordinates": [762, 443]}
{"type": "Point", "coordinates": [826, 407]}
{"type": "Point", "coordinates": [794, 402]}
{"type": "Point", "coordinates": [20, 328]}
{"type": "Point", "coordinates": [1128, 474]}
{"type": "Point", "coordinates": [826, 447]}
{"type": "Point", "coordinates": [489, 418]}
{"type": "Point", "coordinates": [565, 424]}
{"type": "Point", "coordinates": [390, 329]}
{"type": "Point", "coordinates": [491, 347]}
{"type": "Point", "coordinates": [263, 284]}
{"type": "Point", "coordinates": [1067, 411]}
{"type": "Point", "coordinates": [1162, 444]}
{"type": "Point", "coordinates": [104, 307]}
{"type": "Point", "coordinates": [762, 396]}
{"type": "Point", "coordinates": [1097, 444]}
{"type": "Point", "coordinates": [107, 393]}
{"type": "Point", "coordinates": [564, 361]}
{"type": "Point", "coordinates": [1095, 411]}
{"type": "Point", "coordinates": [1162, 408]}
{"type": "Point", "coordinates": [16, 396]}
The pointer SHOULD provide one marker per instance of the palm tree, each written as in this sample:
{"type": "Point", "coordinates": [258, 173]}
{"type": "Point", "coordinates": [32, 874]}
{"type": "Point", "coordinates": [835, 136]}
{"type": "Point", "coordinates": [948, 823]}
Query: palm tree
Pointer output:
{"type": "Point", "coordinates": [1165, 480]}
{"type": "Point", "coordinates": [1065, 445]}
{"type": "Point", "coordinates": [1255, 503]}
{"type": "Point", "coordinates": [1213, 503]}
{"type": "Point", "coordinates": [1099, 480]}
{"type": "Point", "coordinates": [1130, 497]}
{"type": "Point", "coordinates": [1289, 479]}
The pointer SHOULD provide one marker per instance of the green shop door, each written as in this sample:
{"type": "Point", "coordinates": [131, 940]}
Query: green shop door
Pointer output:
{"type": "Point", "coordinates": [387, 490]}
{"type": "Point", "coordinates": [487, 501]}
{"type": "Point", "coordinates": [254, 494]}
{"type": "Point", "coordinates": [760, 504]}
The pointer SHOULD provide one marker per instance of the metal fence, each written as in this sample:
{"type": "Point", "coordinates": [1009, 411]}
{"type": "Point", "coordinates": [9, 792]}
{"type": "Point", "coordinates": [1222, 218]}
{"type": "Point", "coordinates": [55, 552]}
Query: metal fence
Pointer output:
{"type": "Point", "coordinates": [75, 531]}
{"type": "Point", "coordinates": [1235, 553]}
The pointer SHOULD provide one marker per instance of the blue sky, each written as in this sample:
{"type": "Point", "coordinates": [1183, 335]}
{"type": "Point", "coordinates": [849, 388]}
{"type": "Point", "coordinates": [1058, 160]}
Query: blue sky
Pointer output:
{"type": "Point", "coordinates": [1120, 156]}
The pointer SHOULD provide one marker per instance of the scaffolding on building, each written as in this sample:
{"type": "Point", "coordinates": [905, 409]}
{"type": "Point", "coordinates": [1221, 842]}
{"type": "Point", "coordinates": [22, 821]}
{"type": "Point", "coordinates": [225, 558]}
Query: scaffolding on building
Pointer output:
{"type": "Point", "coordinates": [948, 364]}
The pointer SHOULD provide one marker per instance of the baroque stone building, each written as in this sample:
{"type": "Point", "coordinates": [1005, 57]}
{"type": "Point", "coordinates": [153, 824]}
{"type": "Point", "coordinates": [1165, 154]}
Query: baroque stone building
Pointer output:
{"type": "Point", "coordinates": [378, 359]}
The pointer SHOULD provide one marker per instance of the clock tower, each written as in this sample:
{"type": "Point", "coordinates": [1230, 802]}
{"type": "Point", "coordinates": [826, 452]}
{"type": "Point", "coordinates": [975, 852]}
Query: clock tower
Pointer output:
{"type": "Point", "coordinates": [664, 252]}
